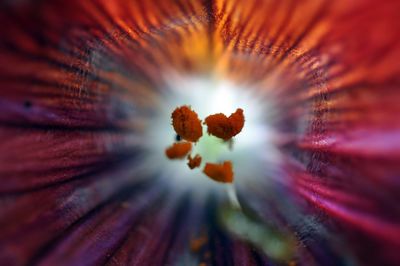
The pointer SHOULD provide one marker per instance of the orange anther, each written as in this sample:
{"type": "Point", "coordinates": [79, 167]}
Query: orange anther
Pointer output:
{"type": "Point", "coordinates": [224, 127]}
{"type": "Point", "coordinates": [178, 150]}
{"type": "Point", "coordinates": [194, 162]}
{"type": "Point", "coordinates": [187, 124]}
{"type": "Point", "coordinates": [237, 121]}
{"type": "Point", "coordinates": [219, 172]}
{"type": "Point", "coordinates": [219, 126]}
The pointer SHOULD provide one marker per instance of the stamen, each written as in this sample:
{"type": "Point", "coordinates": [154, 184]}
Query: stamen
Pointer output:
{"type": "Point", "coordinates": [219, 172]}
{"type": "Point", "coordinates": [194, 162]}
{"type": "Point", "coordinates": [178, 150]}
{"type": "Point", "coordinates": [224, 127]}
{"type": "Point", "coordinates": [237, 121]}
{"type": "Point", "coordinates": [187, 124]}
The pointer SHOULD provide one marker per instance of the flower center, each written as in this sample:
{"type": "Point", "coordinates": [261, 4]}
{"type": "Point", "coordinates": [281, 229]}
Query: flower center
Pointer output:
{"type": "Point", "coordinates": [208, 96]}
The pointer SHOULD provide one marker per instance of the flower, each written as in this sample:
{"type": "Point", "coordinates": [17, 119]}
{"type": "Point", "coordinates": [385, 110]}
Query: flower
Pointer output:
{"type": "Point", "coordinates": [86, 93]}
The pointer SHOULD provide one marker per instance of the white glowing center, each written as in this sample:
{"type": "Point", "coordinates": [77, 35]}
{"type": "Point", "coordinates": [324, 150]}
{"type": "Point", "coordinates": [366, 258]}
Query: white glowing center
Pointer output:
{"type": "Point", "coordinates": [208, 96]}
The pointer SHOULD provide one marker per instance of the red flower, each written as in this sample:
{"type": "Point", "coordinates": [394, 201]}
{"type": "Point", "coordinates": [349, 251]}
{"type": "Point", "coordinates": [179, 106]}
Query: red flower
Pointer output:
{"type": "Point", "coordinates": [80, 81]}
